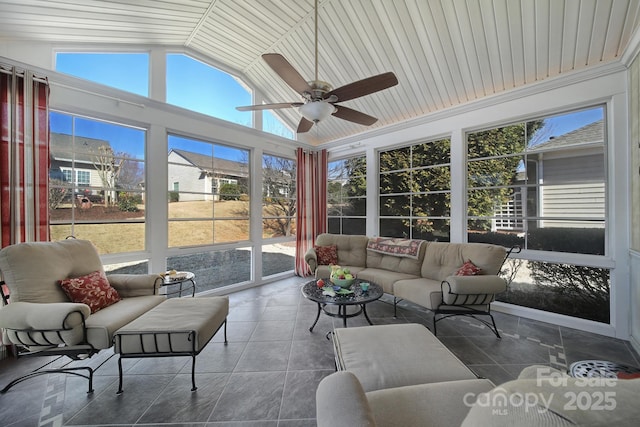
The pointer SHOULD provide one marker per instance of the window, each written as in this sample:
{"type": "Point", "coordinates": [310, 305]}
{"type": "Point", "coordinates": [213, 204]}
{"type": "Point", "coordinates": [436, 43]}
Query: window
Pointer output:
{"type": "Point", "coordinates": [347, 196]}
{"type": "Point", "coordinates": [199, 87]}
{"type": "Point", "coordinates": [278, 196]}
{"type": "Point", "coordinates": [197, 214]}
{"type": "Point", "coordinates": [273, 124]}
{"type": "Point", "coordinates": [125, 71]}
{"type": "Point", "coordinates": [105, 201]}
{"type": "Point", "coordinates": [278, 214]}
{"type": "Point", "coordinates": [83, 177]}
{"type": "Point", "coordinates": [540, 184]}
{"type": "Point", "coordinates": [415, 191]}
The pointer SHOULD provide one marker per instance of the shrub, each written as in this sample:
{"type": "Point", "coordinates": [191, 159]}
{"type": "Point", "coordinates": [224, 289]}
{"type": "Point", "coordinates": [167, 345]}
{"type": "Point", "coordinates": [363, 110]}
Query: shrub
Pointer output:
{"type": "Point", "coordinates": [128, 202]}
{"type": "Point", "coordinates": [174, 196]}
{"type": "Point", "coordinates": [229, 192]}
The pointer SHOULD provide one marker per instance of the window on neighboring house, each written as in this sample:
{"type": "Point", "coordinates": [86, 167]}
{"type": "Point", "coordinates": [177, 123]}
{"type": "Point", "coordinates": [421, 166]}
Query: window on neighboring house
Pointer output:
{"type": "Point", "coordinates": [278, 214]}
{"type": "Point", "coordinates": [105, 201]}
{"type": "Point", "coordinates": [125, 71]}
{"type": "Point", "coordinates": [347, 196]}
{"type": "Point", "coordinates": [541, 185]}
{"type": "Point", "coordinates": [176, 186]}
{"type": "Point", "coordinates": [415, 191]}
{"type": "Point", "coordinates": [199, 87]}
{"type": "Point", "coordinates": [199, 216]}
{"type": "Point", "coordinates": [83, 177]}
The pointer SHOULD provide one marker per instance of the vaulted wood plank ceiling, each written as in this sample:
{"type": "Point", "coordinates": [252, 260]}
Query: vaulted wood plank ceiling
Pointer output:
{"type": "Point", "coordinates": [444, 52]}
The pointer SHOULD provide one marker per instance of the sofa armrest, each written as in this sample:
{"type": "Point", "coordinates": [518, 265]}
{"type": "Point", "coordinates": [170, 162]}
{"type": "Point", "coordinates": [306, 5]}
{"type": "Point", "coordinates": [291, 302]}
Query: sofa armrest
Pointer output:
{"type": "Point", "coordinates": [312, 259]}
{"type": "Point", "coordinates": [341, 401]}
{"type": "Point", "coordinates": [135, 285]}
{"type": "Point", "coordinates": [41, 324]}
{"type": "Point", "coordinates": [458, 290]}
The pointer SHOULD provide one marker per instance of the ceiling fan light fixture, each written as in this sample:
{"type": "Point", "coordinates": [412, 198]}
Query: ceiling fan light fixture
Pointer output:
{"type": "Point", "coordinates": [316, 111]}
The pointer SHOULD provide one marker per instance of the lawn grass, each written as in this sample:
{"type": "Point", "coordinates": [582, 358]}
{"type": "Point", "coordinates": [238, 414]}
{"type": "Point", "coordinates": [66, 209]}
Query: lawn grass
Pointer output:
{"type": "Point", "coordinates": [127, 235]}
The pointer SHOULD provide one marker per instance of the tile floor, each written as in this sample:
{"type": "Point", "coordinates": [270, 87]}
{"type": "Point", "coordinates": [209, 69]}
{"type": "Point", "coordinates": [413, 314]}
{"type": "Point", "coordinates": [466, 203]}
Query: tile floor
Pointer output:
{"type": "Point", "coordinates": [268, 373]}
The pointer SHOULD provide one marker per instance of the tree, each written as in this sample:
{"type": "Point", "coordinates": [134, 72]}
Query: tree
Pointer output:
{"type": "Point", "coordinates": [130, 174]}
{"type": "Point", "coordinates": [108, 167]}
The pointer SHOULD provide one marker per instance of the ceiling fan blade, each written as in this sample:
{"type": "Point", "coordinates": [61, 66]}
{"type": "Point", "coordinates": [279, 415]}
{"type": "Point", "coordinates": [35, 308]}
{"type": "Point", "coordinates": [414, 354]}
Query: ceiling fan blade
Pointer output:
{"type": "Point", "coordinates": [364, 87]}
{"type": "Point", "coordinates": [269, 106]}
{"type": "Point", "coordinates": [286, 72]}
{"type": "Point", "coordinates": [355, 116]}
{"type": "Point", "coordinates": [304, 125]}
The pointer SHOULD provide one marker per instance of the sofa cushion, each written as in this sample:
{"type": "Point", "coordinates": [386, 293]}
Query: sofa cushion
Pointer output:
{"type": "Point", "coordinates": [421, 291]}
{"type": "Point", "coordinates": [383, 277]}
{"type": "Point", "coordinates": [426, 405]}
{"type": "Point", "coordinates": [92, 289]}
{"type": "Point", "coordinates": [352, 250]}
{"type": "Point", "coordinates": [372, 354]}
{"type": "Point", "coordinates": [399, 264]}
{"type": "Point", "coordinates": [326, 255]}
{"type": "Point", "coordinates": [444, 259]}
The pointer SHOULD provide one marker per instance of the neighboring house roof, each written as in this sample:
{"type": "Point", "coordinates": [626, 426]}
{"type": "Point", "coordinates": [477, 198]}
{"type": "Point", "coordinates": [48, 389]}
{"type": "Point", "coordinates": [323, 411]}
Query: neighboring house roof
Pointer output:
{"type": "Point", "coordinates": [591, 133]}
{"type": "Point", "coordinates": [214, 164]}
{"type": "Point", "coordinates": [85, 150]}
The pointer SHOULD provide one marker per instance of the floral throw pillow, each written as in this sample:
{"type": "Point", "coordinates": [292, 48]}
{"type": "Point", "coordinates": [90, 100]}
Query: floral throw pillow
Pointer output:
{"type": "Point", "coordinates": [93, 289]}
{"type": "Point", "coordinates": [327, 255]}
{"type": "Point", "coordinates": [468, 269]}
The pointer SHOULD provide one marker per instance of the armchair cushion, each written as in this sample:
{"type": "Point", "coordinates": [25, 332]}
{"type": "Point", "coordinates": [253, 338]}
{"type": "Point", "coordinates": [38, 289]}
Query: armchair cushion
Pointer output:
{"type": "Point", "coordinates": [26, 316]}
{"type": "Point", "coordinates": [54, 260]}
{"type": "Point", "coordinates": [341, 401]}
{"type": "Point", "coordinates": [92, 289]}
{"type": "Point", "coordinates": [135, 285]}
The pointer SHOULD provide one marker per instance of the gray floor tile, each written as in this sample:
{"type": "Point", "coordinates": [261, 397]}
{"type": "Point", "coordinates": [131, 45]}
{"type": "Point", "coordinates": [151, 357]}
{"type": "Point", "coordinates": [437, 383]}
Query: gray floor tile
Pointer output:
{"type": "Point", "coordinates": [264, 356]}
{"type": "Point", "coordinates": [299, 399]}
{"type": "Point", "coordinates": [178, 404]}
{"type": "Point", "coordinates": [250, 396]}
{"type": "Point", "coordinates": [273, 330]}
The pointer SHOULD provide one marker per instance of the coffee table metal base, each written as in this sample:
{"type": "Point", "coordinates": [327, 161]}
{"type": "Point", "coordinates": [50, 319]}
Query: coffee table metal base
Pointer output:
{"type": "Point", "coordinates": [342, 313]}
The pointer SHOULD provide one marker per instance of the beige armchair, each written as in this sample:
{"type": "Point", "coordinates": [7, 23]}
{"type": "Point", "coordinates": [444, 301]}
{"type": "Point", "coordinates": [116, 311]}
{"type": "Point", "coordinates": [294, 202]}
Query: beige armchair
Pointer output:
{"type": "Point", "coordinates": [38, 316]}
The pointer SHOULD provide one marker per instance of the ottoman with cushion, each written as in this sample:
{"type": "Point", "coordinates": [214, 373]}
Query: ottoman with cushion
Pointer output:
{"type": "Point", "coordinates": [177, 327]}
{"type": "Point", "coordinates": [395, 375]}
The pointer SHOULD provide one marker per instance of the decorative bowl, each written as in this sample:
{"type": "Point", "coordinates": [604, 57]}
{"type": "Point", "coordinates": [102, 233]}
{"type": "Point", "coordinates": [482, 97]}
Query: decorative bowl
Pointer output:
{"type": "Point", "coordinates": [343, 283]}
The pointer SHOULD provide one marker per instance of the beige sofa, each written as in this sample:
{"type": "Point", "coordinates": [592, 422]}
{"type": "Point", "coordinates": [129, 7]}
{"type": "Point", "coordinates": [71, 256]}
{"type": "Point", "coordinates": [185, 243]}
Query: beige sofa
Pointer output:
{"type": "Point", "coordinates": [426, 385]}
{"type": "Point", "coordinates": [428, 279]}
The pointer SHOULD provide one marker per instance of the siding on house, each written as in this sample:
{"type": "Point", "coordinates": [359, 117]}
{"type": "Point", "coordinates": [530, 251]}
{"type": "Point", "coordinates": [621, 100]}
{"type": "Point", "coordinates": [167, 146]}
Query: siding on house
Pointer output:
{"type": "Point", "coordinates": [75, 154]}
{"type": "Point", "coordinates": [570, 172]}
{"type": "Point", "coordinates": [199, 176]}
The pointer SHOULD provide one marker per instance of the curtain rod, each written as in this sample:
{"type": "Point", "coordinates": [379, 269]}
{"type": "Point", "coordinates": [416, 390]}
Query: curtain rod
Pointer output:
{"type": "Point", "coordinates": [113, 98]}
{"type": "Point", "coordinates": [8, 69]}
{"type": "Point", "coordinates": [12, 68]}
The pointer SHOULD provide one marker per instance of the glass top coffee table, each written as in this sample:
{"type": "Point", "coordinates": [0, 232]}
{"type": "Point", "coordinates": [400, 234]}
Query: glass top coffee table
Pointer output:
{"type": "Point", "coordinates": [359, 298]}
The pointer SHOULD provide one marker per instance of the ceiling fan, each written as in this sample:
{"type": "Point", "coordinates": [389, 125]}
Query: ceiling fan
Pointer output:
{"type": "Point", "coordinates": [319, 98]}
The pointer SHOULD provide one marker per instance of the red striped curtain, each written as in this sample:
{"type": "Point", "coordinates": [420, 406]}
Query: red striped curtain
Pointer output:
{"type": "Point", "coordinates": [311, 213]}
{"type": "Point", "coordinates": [24, 157]}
